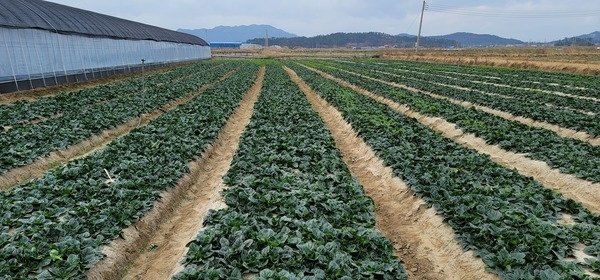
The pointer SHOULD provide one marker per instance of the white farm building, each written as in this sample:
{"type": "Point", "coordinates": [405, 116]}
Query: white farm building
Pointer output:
{"type": "Point", "coordinates": [44, 43]}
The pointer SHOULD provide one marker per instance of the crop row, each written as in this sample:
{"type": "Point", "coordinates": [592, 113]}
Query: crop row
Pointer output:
{"type": "Point", "coordinates": [506, 93]}
{"type": "Point", "coordinates": [294, 210]}
{"type": "Point", "coordinates": [573, 84]}
{"type": "Point", "coordinates": [24, 111]}
{"type": "Point", "coordinates": [24, 144]}
{"type": "Point", "coordinates": [54, 227]}
{"type": "Point", "coordinates": [542, 104]}
{"type": "Point", "coordinates": [509, 220]}
{"type": "Point", "coordinates": [569, 155]}
{"type": "Point", "coordinates": [534, 110]}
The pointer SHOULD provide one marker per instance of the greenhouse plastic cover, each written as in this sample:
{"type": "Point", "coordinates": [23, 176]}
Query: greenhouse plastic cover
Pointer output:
{"type": "Point", "coordinates": [63, 19]}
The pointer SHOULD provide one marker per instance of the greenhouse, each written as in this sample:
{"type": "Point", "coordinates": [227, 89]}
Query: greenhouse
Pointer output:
{"type": "Point", "coordinates": [44, 44]}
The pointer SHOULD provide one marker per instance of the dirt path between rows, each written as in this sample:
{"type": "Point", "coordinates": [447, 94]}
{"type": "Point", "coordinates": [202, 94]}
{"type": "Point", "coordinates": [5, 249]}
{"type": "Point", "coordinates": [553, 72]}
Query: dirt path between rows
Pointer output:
{"type": "Point", "coordinates": [512, 97]}
{"type": "Point", "coordinates": [58, 115]}
{"type": "Point", "coordinates": [163, 236]}
{"type": "Point", "coordinates": [560, 131]}
{"type": "Point", "coordinates": [559, 93]}
{"type": "Point", "coordinates": [568, 185]}
{"type": "Point", "coordinates": [19, 175]}
{"type": "Point", "coordinates": [512, 87]}
{"type": "Point", "coordinates": [421, 239]}
{"type": "Point", "coordinates": [501, 95]}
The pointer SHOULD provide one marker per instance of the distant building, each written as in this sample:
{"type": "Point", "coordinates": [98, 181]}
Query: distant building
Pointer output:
{"type": "Point", "coordinates": [225, 45]}
{"type": "Point", "coordinates": [251, 46]}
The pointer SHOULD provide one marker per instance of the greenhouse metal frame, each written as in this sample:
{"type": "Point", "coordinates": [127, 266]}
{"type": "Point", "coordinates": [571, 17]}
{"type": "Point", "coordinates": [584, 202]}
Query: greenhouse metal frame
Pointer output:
{"type": "Point", "coordinates": [44, 44]}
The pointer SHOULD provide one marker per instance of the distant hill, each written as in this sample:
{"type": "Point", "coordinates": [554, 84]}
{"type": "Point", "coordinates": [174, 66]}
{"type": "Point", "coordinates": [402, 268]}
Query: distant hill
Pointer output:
{"type": "Point", "coordinates": [594, 37]}
{"type": "Point", "coordinates": [240, 33]}
{"type": "Point", "coordinates": [256, 33]}
{"type": "Point", "coordinates": [590, 39]}
{"type": "Point", "coordinates": [466, 40]}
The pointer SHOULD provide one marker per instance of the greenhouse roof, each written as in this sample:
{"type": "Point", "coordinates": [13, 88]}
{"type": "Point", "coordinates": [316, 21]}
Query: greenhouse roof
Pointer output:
{"type": "Point", "coordinates": [63, 19]}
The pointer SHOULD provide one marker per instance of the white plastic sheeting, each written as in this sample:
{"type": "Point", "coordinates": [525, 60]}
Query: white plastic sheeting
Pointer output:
{"type": "Point", "coordinates": [27, 54]}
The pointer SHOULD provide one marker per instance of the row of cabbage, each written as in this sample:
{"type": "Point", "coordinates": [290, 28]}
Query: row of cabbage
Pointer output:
{"type": "Point", "coordinates": [509, 220]}
{"type": "Point", "coordinates": [522, 103]}
{"type": "Point", "coordinates": [293, 209]}
{"type": "Point", "coordinates": [55, 227]}
{"type": "Point", "coordinates": [570, 83]}
{"type": "Point", "coordinates": [24, 144]}
{"type": "Point", "coordinates": [533, 97]}
{"type": "Point", "coordinates": [569, 155]}
{"type": "Point", "coordinates": [24, 111]}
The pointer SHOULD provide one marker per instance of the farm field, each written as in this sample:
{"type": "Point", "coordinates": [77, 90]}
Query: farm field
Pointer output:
{"type": "Point", "coordinates": [345, 168]}
{"type": "Point", "coordinates": [583, 60]}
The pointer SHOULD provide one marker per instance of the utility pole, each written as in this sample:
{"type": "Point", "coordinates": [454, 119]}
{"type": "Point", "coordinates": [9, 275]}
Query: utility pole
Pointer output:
{"type": "Point", "coordinates": [143, 78]}
{"type": "Point", "coordinates": [420, 25]}
{"type": "Point", "coordinates": [266, 39]}
{"type": "Point", "coordinates": [143, 101]}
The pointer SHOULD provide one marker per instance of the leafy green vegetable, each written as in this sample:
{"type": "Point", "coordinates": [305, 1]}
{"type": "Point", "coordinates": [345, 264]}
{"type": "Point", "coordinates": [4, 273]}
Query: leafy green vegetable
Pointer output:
{"type": "Point", "coordinates": [54, 227]}
{"type": "Point", "coordinates": [294, 210]}
{"type": "Point", "coordinates": [508, 219]}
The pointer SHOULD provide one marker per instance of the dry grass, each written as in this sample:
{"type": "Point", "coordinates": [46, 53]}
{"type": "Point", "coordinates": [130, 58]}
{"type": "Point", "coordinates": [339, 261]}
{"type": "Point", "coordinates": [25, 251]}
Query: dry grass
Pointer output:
{"type": "Point", "coordinates": [291, 53]}
{"type": "Point", "coordinates": [582, 60]}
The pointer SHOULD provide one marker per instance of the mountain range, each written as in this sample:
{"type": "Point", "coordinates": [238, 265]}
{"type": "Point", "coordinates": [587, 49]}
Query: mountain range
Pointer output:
{"type": "Point", "coordinates": [593, 37]}
{"type": "Point", "coordinates": [256, 33]}
{"type": "Point", "coordinates": [466, 39]}
{"type": "Point", "coordinates": [239, 33]}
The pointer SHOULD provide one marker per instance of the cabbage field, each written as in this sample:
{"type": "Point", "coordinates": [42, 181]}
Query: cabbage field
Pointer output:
{"type": "Point", "coordinates": [305, 169]}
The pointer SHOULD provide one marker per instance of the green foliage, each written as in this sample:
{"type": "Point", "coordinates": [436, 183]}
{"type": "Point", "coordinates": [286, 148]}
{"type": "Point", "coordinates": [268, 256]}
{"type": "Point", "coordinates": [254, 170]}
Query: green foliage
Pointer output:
{"type": "Point", "coordinates": [25, 143]}
{"type": "Point", "coordinates": [54, 227]}
{"type": "Point", "coordinates": [509, 220]}
{"type": "Point", "coordinates": [569, 155]}
{"type": "Point", "coordinates": [294, 210]}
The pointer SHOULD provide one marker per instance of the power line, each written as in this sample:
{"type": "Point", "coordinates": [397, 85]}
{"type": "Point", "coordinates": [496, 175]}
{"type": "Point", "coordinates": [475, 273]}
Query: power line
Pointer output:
{"type": "Point", "coordinates": [495, 12]}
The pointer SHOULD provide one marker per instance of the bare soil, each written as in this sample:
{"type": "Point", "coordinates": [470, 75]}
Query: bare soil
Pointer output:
{"type": "Point", "coordinates": [421, 239]}
{"type": "Point", "coordinates": [559, 130]}
{"type": "Point", "coordinates": [568, 185]}
{"type": "Point", "coordinates": [520, 88]}
{"type": "Point", "coordinates": [21, 174]}
{"type": "Point", "coordinates": [36, 169]}
{"type": "Point", "coordinates": [154, 247]}
{"type": "Point", "coordinates": [544, 91]}
{"type": "Point", "coordinates": [581, 60]}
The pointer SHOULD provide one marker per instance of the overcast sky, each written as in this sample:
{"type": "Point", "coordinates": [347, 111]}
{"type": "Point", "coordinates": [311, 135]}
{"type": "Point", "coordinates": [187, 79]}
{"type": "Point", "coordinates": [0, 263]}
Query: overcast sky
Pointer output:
{"type": "Point", "coordinates": [526, 20]}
